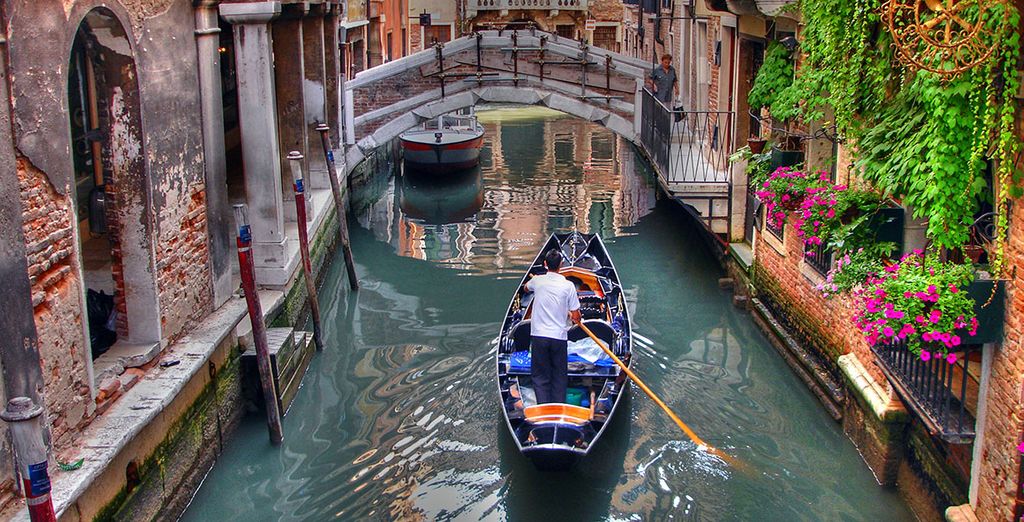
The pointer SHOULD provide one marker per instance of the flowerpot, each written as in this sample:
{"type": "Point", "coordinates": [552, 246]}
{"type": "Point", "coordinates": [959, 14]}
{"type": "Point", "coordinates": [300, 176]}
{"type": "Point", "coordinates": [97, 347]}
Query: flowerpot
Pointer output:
{"type": "Point", "coordinates": [974, 253]}
{"type": "Point", "coordinates": [990, 317]}
{"type": "Point", "coordinates": [756, 144]}
{"type": "Point", "coordinates": [785, 158]}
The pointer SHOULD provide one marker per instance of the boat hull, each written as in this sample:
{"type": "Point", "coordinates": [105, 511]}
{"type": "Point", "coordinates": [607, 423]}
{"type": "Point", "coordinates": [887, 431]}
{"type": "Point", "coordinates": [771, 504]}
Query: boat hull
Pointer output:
{"type": "Point", "coordinates": [442, 157]}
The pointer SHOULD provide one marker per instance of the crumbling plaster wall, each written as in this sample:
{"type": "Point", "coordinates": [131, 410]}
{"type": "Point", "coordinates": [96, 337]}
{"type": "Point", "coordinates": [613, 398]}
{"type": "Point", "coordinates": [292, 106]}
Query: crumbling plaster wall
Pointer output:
{"type": "Point", "coordinates": [169, 138]}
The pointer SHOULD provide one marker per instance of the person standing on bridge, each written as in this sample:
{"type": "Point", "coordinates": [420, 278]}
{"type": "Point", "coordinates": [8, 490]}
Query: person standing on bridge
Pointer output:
{"type": "Point", "coordinates": [663, 81]}
{"type": "Point", "coordinates": [555, 303]}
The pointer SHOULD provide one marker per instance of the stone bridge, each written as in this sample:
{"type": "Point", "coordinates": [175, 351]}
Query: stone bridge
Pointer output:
{"type": "Point", "coordinates": [525, 67]}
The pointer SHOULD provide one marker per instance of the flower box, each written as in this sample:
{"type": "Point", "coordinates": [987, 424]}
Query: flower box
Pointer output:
{"type": "Point", "coordinates": [785, 158]}
{"type": "Point", "coordinates": [991, 317]}
{"type": "Point", "coordinates": [888, 225]}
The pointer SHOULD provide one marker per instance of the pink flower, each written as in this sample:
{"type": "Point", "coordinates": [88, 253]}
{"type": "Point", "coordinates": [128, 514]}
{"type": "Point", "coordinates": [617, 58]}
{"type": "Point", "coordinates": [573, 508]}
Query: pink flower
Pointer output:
{"type": "Point", "coordinates": [927, 336]}
{"type": "Point", "coordinates": [951, 358]}
{"type": "Point", "coordinates": [925, 355]}
{"type": "Point", "coordinates": [932, 289]}
{"type": "Point", "coordinates": [888, 332]}
{"type": "Point", "coordinates": [880, 292]}
{"type": "Point", "coordinates": [1020, 447]}
{"type": "Point", "coordinates": [954, 340]}
{"type": "Point", "coordinates": [934, 316]}
{"type": "Point", "coordinates": [831, 213]}
{"type": "Point", "coordinates": [953, 288]}
{"type": "Point", "coordinates": [920, 319]}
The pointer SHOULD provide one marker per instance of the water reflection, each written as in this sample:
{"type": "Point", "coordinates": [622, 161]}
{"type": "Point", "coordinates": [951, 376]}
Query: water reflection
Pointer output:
{"type": "Point", "coordinates": [542, 174]}
{"type": "Point", "coordinates": [396, 418]}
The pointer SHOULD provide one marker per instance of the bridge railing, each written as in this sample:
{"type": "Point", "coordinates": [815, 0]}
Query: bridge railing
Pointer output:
{"type": "Point", "coordinates": [687, 146]}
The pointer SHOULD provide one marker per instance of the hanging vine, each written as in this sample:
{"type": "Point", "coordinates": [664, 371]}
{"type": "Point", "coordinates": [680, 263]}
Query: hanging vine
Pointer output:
{"type": "Point", "coordinates": [918, 135]}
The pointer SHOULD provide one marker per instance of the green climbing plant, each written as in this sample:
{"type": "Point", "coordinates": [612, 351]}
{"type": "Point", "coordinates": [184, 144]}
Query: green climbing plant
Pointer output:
{"type": "Point", "coordinates": [924, 138]}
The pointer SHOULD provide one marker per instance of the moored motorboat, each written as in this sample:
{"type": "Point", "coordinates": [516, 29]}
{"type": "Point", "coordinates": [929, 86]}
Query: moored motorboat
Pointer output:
{"type": "Point", "coordinates": [555, 436]}
{"type": "Point", "coordinates": [447, 143]}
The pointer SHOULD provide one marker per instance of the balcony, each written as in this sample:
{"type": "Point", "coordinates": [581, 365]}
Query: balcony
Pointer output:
{"type": "Point", "coordinates": [944, 396]}
{"type": "Point", "coordinates": [474, 6]}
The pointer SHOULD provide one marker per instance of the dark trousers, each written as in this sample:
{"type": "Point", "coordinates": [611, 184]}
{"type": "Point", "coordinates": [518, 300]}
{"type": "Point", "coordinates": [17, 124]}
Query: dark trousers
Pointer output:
{"type": "Point", "coordinates": [549, 368]}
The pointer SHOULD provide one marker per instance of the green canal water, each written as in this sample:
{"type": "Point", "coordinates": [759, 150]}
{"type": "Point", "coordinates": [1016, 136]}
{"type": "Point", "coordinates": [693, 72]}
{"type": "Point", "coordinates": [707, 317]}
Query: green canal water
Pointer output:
{"type": "Point", "coordinates": [398, 417]}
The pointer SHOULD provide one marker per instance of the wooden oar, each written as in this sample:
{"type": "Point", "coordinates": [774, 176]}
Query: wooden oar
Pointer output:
{"type": "Point", "coordinates": [682, 425]}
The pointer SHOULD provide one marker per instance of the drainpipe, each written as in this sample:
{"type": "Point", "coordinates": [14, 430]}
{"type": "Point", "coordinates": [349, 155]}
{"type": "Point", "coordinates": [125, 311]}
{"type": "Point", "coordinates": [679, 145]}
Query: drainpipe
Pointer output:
{"type": "Point", "coordinates": [215, 164]}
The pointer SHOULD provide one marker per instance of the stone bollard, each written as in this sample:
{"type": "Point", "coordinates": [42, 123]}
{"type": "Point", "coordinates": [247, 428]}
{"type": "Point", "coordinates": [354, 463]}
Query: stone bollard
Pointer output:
{"type": "Point", "coordinates": [26, 421]}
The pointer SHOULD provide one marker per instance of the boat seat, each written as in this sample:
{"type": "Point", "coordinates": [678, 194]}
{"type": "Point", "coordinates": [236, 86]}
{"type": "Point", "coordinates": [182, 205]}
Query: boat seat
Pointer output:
{"type": "Point", "coordinates": [557, 413]}
{"type": "Point", "coordinates": [520, 336]}
{"type": "Point", "coordinates": [592, 306]}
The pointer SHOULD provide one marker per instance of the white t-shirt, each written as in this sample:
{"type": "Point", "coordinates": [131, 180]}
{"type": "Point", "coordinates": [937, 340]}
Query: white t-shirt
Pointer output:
{"type": "Point", "coordinates": [554, 297]}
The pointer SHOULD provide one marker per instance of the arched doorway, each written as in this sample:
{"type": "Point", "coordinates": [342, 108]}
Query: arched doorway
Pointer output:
{"type": "Point", "coordinates": [113, 200]}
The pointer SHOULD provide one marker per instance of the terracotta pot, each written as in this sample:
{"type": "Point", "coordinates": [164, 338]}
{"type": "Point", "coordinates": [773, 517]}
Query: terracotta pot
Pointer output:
{"type": "Point", "coordinates": [756, 144]}
{"type": "Point", "coordinates": [974, 252]}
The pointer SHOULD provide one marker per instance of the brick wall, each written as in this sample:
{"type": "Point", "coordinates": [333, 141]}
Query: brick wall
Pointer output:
{"type": "Point", "coordinates": [182, 262]}
{"type": "Point", "coordinates": [57, 292]}
{"type": "Point", "coordinates": [1001, 462]}
{"type": "Point", "coordinates": [826, 322]}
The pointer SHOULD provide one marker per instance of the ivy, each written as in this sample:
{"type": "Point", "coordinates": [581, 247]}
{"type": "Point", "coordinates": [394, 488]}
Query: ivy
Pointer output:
{"type": "Point", "coordinates": [774, 77]}
{"type": "Point", "coordinates": [915, 135]}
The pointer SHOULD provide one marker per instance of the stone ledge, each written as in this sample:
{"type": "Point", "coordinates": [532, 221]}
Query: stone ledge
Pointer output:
{"type": "Point", "coordinates": [121, 356]}
{"type": "Point", "coordinates": [870, 391]}
{"type": "Point", "coordinates": [962, 513]}
{"type": "Point", "coordinates": [111, 432]}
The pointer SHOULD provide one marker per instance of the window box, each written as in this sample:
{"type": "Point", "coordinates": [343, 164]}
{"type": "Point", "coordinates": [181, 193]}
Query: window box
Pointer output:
{"type": "Point", "coordinates": [990, 317]}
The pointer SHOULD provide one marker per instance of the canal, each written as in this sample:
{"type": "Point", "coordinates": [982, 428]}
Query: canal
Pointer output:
{"type": "Point", "coordinates": [398, 417]}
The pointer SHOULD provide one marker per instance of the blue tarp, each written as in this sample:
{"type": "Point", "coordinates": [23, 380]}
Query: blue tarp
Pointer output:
{"type": "Point", "coordinates": [520, 361]}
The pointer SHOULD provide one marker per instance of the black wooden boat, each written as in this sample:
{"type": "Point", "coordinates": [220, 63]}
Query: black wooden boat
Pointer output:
{"type": "Point", "coordinates": [555, 436]}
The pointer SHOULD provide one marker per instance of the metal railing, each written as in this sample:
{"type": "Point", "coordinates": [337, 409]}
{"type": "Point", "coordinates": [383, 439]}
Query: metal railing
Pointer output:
{"type": "Point", "coordinates": [934, 389]}
{"type": "Point", "coordinates": [819, 257]}
{"type": "Point", "coordinates": [688, 146]}
{"type": "Point", "coordinates": [509, 5]}
{"type": "Point", "coordinates": [777, 231]}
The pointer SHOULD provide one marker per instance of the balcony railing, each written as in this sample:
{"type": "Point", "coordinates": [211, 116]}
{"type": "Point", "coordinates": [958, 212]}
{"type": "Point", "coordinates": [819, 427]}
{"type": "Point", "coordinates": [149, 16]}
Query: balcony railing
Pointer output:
{"type": "Point", "coordinates": [513, 5]}
{"type": "Point", "coordinates": [937, 391]}
{"type": "Point", "coordinates": [688, 146]}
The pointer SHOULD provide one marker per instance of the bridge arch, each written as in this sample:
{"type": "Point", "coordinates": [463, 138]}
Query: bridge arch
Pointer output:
{"type": "Point", "coordinates": [509, 67]}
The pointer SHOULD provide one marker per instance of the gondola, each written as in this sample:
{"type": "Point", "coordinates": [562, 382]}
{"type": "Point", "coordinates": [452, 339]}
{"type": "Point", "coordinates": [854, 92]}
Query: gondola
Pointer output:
{"type": "Point", "coordinates": [556, 436]}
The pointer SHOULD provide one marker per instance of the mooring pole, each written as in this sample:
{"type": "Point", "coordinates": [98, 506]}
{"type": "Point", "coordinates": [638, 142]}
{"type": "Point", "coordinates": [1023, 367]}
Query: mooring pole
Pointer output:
{"type": "Point", "coordinates": [339, 205]}
{"type": "Point", "coordinates": [295, 165]}
{"type": "Point", "coordinates": [259, 330]}
{"type": "Point", "coordinates": [25, 419]}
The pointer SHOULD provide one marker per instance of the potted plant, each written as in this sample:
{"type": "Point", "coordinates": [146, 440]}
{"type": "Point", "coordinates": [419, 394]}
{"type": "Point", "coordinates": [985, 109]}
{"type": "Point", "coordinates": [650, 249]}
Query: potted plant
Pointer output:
{"type": "Point", "coordinates": [784, 190]}
{"type": "Point", "coordinates": [919, 300]}
{"type": "Point", "coordinates": [756, 144]}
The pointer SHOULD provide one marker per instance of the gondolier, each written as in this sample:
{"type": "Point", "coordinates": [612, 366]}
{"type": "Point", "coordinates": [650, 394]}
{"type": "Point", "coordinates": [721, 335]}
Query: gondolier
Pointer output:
{"type": "Point", "coordinates": [555, 303]}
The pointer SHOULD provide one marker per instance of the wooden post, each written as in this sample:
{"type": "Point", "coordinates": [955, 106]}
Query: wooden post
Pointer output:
{"type": "Point", "coordinates": [295, 165]}
{"type": "Point", "coordinates": [339, 205]}
{"type": "Point", "coordinates": [259, 330]}
{"type": "Point", "coordinates": [25, 419]}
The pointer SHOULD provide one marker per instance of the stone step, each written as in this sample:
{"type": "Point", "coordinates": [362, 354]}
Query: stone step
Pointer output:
{"type": "Point", "coordinates": [290, 354]}
{"type": "Point", "coordinates": [123, 355]}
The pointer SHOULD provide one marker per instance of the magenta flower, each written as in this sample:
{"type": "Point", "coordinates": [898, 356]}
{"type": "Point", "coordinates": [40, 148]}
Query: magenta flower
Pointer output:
{"type": "Point", "coordinates": [920, 319]}
{"type": "Point", "coordinates": [934, 316]}
{"type": "Point", "coordinates": [951, 358]}
{"type": "Point", "coordinates": [888, 332]}
{"type": "Point", "coordinates": [932, 289]}
{"type": "Point", "coordinates": [1020, 447]}
{"type": "Point", "coordinates": [925, 355]}
{"type": "Point", "coordinates": [953, 288]}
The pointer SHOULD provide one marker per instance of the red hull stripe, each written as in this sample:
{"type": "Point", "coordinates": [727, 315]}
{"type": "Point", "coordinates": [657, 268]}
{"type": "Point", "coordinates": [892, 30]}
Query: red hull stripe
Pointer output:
{"type": "Point", "coordinates": [475, 143]}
